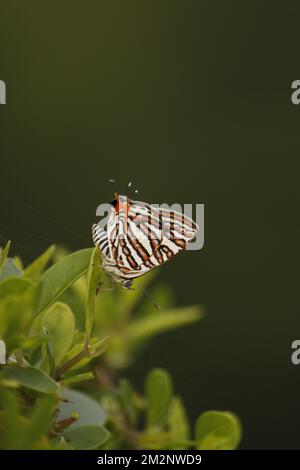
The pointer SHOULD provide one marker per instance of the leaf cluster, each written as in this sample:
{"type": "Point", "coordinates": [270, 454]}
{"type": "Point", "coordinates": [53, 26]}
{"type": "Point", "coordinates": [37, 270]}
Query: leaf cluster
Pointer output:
{"type": "Point", "coordinates": [62, 382]}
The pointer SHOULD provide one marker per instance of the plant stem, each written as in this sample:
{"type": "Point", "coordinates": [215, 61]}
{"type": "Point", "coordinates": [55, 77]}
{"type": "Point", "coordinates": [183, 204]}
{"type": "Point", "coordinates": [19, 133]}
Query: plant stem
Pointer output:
{"type": "Point", "coordinates": [19, 358]}
{"type": "Point", "coordinates": [85, 352]}
{"type": "Point", "coordinates": [105, 380]}
{"type": "Point", "coordinates": [90, 351]}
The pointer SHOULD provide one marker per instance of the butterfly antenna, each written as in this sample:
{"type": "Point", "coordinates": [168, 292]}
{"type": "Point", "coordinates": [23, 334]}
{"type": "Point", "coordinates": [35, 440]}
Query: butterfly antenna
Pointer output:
{"type": "Point", "coordinates": [131, 192]}
{"type": "Point", "coordinates": [148, 296]}
{"type": "Point", "coordinates": [114, 185]}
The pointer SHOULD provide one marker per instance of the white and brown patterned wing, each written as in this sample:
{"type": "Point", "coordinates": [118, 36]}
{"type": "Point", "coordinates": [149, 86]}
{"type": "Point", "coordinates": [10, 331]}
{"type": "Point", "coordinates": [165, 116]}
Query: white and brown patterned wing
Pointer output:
{"type": "Point", "coordinates": [123, 254]}
{"type": "Point", "coordinates": [142, 239]}
{"type": "Point", "coordinates": [168, 232]}
{"type": "Point", "coordinates": [100, 239]}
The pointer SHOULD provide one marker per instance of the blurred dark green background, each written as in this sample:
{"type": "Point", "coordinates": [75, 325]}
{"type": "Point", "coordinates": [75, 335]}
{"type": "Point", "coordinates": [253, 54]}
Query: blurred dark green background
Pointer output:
{"type": "Point", "coordinates": [191, 101]}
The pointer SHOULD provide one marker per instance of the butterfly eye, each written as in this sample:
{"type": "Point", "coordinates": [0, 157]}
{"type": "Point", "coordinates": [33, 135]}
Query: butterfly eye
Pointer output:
{"type": "Point", "coordinates": [114, 203]}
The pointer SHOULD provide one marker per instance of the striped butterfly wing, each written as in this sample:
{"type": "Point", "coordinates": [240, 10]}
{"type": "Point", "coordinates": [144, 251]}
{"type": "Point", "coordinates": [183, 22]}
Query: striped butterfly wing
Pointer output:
{"type": "Point", "coordinates": [142, 239]}
{"type": "Point", "coordinates": [164, 232]}
{"type": "Point", "coordinates": [115, 244]}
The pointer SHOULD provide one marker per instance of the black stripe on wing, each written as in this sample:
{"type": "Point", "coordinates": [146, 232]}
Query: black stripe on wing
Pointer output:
{"type": "Point", "coordinates": [100, 239]}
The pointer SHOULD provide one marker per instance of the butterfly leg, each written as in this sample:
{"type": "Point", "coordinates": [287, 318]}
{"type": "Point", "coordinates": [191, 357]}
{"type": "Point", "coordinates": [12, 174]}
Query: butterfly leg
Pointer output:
{"type": "Point", "coordinates": [98, 266]}
{"type": "Point", "coordinates": [107, 289]}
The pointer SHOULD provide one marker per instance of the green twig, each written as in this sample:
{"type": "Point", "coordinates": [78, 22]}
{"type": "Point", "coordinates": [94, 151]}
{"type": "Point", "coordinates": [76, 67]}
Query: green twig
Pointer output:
{"type": "Point", "coordinates": [85, 352]}
{"type": "Point", "coordinates": [88, 350]}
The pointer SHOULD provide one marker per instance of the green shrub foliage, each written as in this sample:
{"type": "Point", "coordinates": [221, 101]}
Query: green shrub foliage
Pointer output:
{"type": "Point", "coordinates": [64, 353]}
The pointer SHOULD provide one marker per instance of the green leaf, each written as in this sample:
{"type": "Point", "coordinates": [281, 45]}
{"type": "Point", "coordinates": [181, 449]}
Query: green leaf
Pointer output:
{"type": "Point", "coordinates": [158, 391]}
{"type": "Point", "coordinates": [35, 269]}
{"type": "Point", "coordinates": [61, 276]}
{"type": "Point", "coordinates": [10, 405]}
{"type": "Point", "coordinates": [178, 424]}
{"type": "Point", "coordinates": [127, 397]}
{"type": "Point", "coordinates": [39, 423]}
{"type": "Point", "coordinates": [148, 326]}
{"type": "Point", "coordinates": [60, 325]}
{"type": "Point", "coordinates": [17, 297]}
{"type": "Point", "coordinates": [4, 254]}
{"type": "Point", "coordinates": [93, 280]}
{"type": "Point", "coordinates": [10, 269]}
{"type": "Point", "coordinates": [99, 346]}
{"type": "Point", "coordinates": [158, 440]}
{"type": "Point", "coordinates": [217, 430]}
{"type": "Point", "coordinates": [89, 410]}
{"type": "Point", "coordinates": [31, 378]}
{"type": "Point", "coordinates": [73, 379]}
{"type": "Point", "coordinates": [86, 437]}
{"type": "Point", "coordinates": [106, 308]}
{"type": "Point", "coordinates": [15, 286]}
{"type": "Point", "coordinates": [47, 354]}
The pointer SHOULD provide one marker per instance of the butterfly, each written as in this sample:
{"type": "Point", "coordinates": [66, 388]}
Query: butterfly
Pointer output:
{"type": "Point", "coordinates": [139, 237]}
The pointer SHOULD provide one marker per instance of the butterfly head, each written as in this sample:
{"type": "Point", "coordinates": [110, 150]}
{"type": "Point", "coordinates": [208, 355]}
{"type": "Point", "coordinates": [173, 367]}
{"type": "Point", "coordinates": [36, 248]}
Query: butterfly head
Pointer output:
{"type": "Point", "coordinates": [116, 202]}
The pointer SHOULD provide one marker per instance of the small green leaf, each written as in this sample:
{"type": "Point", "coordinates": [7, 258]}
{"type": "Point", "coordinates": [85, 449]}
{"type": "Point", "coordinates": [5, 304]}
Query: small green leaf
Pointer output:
{"type": "Point", "coordinates": [60, 325]}
{"type": "Point", "coordinates": [178, 424]}
{"type": "Point", "coordinates": [86, 437]}
{"type": "Point", "coordinates": [216, 430]}
{"type": "Point", "coordinates": [17, 297]}
{"type": "Point", "coordinates": [93, 280]}
{"type": "Point", "coordinates": [98, 347]}
{"type": "Point", "coordinates": [31, 378]}
{"type": "Point", "coordinates": [148, 326]}
{"type": "Point", "coordinates": [88, 409]}
{"type": "Point", "coordinates": [61, 276]}
{"type": "Point", "coordinates": [73, 379]}
{"type": "Point", "coordinates": [158, 391]}
{"type": "Point", "coordinates": [35, 269]}
{"type": "Point", "coordinates": [4, 254]}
